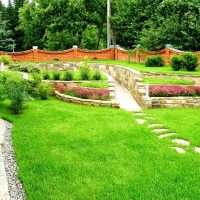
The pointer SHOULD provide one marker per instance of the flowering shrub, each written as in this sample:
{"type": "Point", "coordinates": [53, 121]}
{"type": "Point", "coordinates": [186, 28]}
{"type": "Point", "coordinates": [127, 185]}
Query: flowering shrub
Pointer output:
{"type": "Point", "coordinates": [173, 90]}
{"type": "Point", "coordinates": [84, 93]}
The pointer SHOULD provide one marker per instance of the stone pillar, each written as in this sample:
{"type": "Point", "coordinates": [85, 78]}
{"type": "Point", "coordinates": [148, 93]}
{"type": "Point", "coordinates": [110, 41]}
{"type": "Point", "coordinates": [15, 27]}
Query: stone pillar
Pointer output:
{"type": "Point", "coordinates": [35, 54]}
{"type": "Point", "coordinates": [75, 51]}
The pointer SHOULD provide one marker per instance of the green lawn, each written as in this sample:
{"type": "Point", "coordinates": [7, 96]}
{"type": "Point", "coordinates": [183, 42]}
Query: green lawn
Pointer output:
{"type": "Point", "coordinates": [67, 151]}
{"type": "Point", "coordinates": [167, 81]}
{"type": "Point", "coordinates": [143, 68]}
{"type": "Point", "coordinates": [184, 121]}
{"type": "Point", "coordinates": [94, 84]}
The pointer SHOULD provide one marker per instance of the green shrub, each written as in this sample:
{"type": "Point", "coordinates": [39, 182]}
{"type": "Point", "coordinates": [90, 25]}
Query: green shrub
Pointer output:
{"type": "Point", "coordinates": [97, 75]}
{"type": "Point", "coordinates": [184, 61]}
{"type": "Point", "coordinates": [84, 71]}
{"type": "Point", "coordinates": [56, 75]}
{"type": "Point", "coordinates": [2, 92]}
{"type": "Point", "coordinates": [6, 59]}
{"type": "Point", "coordinates": [32, 85]}
{"type": "Point", "coordinates": [155, 61]}
{"type": "Point", "coordinates": [46, 75]}
{"type": "Point", "coordinates": [68, 76]}
{"type": "Point", "coordinates": [28, 68]}
{"type": "Point", "coordinates": [177, 63]}
{"type": "Point", "coordinates": [16, 91]}
{"type": "Point", "coordinates": [190, 61]}
{"type": "Point", "coordinates": [44, 90]}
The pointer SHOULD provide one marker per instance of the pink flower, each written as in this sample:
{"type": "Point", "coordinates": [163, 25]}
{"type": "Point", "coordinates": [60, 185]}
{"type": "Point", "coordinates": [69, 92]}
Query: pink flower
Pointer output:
{"type": "Point", "coordinates": [84, 93]}
{"type": "Point", "coordinates": [173, 90]}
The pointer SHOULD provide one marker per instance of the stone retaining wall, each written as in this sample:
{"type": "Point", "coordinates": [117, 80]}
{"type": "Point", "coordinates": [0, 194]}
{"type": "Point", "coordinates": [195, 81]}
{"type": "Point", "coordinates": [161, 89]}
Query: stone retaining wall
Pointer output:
{"type": "Point", "coordinates": [90, 102]}
{"type": "Point", "coordinates": [174, 102]}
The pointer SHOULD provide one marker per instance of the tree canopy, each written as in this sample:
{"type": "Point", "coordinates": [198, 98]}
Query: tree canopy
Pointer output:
{"type": "Point", "coordinates": [60, 24]}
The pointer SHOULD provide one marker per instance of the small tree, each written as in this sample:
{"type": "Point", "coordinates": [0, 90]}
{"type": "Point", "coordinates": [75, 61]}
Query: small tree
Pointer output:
{"type": "Point", "coordinates": [16, 90]}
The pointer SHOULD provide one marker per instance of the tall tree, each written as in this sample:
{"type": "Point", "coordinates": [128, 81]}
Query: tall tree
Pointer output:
{"type": "Point", "coordinates": [13, 22]}
{"type": "Point", "coordinates": [6, 42]}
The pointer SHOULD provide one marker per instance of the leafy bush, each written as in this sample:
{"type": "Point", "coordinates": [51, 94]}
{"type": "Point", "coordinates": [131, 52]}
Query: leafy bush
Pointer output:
{"type": "Point", "coordinates": [190, 61]}
{"type": "Point", "coordinates": [68, 76]}
{"type": "Point", "coordinates": [44, 90]}
{"type": "Point", "coordinates": [28, 68]}
{"type": "Point", "coordinates": [6, 59]}
{"type": "Point", "coordinates": [32, 85]}
{"type": "Point", "coordinates": [177, 63]}
{"type": "Point", "coordinates": [46, 75]}
{"type": "Point", "coordinates": [84, 71]}
{"type": "Point", "coordinates": [97, 75]}
{"type": "Point", "coordinates": [174, 90]}
{"type": "Point", "coordinates": [185, 61]}
{"type": "Point", "coordinates": [155, 61]}
{"type": "Point", "coordinates": [56, 75]}
{"type": "Point", "coordinates": [16, 90]}
{"type": "Point", "coordinates": [2, 92]}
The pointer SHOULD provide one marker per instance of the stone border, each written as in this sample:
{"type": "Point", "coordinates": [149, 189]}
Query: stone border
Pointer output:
{"type": "Point", "coordinates": [90, 102]}
{"type": "Point", "coordinates": [4, 195]}
{"type": "Point", "coordinates": [11, 187]}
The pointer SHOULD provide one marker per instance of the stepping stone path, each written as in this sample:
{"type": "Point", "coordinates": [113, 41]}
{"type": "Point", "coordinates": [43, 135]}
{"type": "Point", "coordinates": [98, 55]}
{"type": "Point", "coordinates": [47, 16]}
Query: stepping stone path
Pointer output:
{"type": "Point", "coordinates": [179, 150]}
{"type": "Point", "coordinates": [181, 142]}
{"type": "Point", "coordinates": [164, 133]}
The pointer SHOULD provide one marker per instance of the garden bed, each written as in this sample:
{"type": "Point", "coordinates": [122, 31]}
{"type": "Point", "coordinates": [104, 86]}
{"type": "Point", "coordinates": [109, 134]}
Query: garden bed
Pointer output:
{"type": "Point", "coordinates": [90, 102]}
{"type": "Point", "coordinates": [85, 95]}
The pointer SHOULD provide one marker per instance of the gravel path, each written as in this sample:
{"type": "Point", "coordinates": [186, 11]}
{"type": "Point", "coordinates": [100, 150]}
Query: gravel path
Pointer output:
{"type": "Point", "coordinates": [15, 188]}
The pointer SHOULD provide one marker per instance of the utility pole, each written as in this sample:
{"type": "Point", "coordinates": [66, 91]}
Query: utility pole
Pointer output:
{"type": "Point", "coordinates": [108, 23]}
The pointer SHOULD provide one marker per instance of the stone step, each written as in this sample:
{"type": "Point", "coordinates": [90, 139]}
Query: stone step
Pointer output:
{"type": "Point", "coordinates": [166, 135]}
{"type": "Point", "coordinates": [140, 114]}
{"type": "Point", "coordinates": [179, 150]}
{"type": "Point", "coordinates": [138, 79]}
{"type": "Point", "coordinates": [181, 142]}
{"type": "Point", "coordinates": [140, 121]}
{"type": "Point", "coordinates": [197, 149]}
{"type": "Point", "coordinates": [155, 125]}
{"type": "Point", "coordinates": [140, 85]}
{"type": "Point", "coordinates": [142, 91]}
{"type": "Point", "coordinates": [162, 130]}
{"type": "Point", "coordinates": [148, 117]}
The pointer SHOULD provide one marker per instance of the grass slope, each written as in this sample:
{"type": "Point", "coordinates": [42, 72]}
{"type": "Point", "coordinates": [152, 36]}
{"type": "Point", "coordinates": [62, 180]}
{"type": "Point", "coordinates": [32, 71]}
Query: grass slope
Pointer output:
{"type": "Point", "coordinates": [67, 151]}
{"type": "Point", "coordinates": [167, 81]}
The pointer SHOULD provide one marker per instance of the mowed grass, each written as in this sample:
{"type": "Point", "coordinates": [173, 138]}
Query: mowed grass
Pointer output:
{"type": "Point", "coordinates": [68, 151]}
{"type": "Point", "coordinates": [94, 84]}
{"type": "Point", "coordinates": [142, 68]}
{"type": "Point", "coordinates": [183, 121]}
{"type": "Point", "coordinates": [167, 81]}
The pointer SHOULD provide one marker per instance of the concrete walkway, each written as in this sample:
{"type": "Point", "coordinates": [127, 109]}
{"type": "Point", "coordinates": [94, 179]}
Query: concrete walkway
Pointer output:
{"type": "Point", "coordinates": [123, 96]}
{"type": "Point", "coordinates": [125, 99]}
